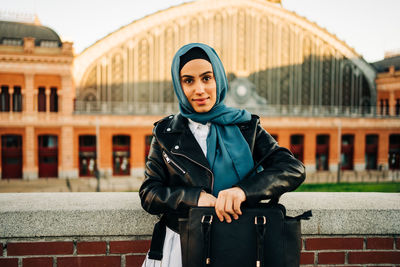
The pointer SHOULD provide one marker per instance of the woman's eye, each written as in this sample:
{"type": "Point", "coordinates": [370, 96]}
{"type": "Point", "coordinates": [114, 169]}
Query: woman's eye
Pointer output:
{"type": "Point", "coordinates": [207, 78]}
{"type": "Point", "coordinates": [188, 81]}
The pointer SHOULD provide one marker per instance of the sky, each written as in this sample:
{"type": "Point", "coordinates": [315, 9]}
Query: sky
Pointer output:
{"type": "Point", "coordinates": [371, 27]}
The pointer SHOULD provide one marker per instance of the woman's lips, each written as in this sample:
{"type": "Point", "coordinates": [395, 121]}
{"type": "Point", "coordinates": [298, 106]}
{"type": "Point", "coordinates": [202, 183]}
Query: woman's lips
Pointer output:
{"type": "Point", "coordinates": [201, 101]}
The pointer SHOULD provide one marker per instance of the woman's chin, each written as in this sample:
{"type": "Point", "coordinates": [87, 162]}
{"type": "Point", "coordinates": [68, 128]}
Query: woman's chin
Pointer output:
{"type": "Point", "coordinates": [202, 108]}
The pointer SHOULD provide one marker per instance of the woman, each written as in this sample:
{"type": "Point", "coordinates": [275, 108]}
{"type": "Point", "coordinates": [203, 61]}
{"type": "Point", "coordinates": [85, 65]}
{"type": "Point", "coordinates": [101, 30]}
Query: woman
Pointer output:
{"type": "Point", "coordinates": [199, 156]}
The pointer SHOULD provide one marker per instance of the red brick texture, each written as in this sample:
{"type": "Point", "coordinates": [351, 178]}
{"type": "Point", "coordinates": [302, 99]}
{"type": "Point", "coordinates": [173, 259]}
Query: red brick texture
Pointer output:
{"type": "Point", "coordinates": [95, 261]}
{"type": "Point", "coordinates": [39, 248]}
{"type": "Point", "coordinates": [365, 257]}
{"type": "Point", "coordinates": [37, 262]}
{"type": "Point", "coordinates": [134, 260]}
{"type": "Point", "coordinates": [317, 251]}
{"type": "Point", "coordinates": [8, 262]}
{"type": "Point", "coordinates": [331, 258]}
{"type": "Point", "coordinates": [91, 247]}
{"type": "Point", "coordinates": [138, 246]}
{"type": "Point", "coordinates": [334, 243]}
{"type": "Point", "coordinates": [380, 243]}
{"type": "Point", "coordinates": [351, 251]}
{"type": "Point", "coordinates": [307, 258]}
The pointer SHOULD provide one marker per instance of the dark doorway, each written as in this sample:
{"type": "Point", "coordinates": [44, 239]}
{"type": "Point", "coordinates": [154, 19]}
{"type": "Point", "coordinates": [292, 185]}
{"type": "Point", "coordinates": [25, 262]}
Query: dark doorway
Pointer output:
{"type": "Point", "coordinates": [121, 154]}
{"type": "Point", "coordinates": [297, 146]}
{"type": "Point", "coordinates": [11, 156]}
{"type": "Point", "coordinates": [48, 156]}
{"type": "Point", "coordinates": [394, 152]}
{"type": "Point", "coordinates": [87, 155]}
{"type": "Point", "coordinates": [371, 152]}
{"type": "Point", "coordinates": [347, 152]}
{"type": "Point", "coordinates": [322, 153]}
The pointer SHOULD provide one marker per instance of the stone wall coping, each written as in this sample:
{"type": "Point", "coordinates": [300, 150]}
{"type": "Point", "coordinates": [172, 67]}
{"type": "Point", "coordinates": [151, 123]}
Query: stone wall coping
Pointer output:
{"type": "Point", "coordinates": [26, 215]}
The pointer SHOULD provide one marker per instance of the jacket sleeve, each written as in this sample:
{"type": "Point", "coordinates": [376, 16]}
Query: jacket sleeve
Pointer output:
{"type": "Point", "coordinates": [156, 195]}
{"type": "Point", "coordinates": [281, 173]}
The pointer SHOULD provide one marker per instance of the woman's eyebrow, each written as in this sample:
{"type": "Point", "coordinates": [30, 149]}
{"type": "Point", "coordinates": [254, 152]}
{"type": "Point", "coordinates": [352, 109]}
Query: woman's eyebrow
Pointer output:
{"type": "Point", "coordinates": [207, 72]}
{"type": "Point", "coordinates": [190, 76]}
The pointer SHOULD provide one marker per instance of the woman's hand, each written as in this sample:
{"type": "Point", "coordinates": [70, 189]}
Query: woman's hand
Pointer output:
{"type": "Point", "coordinates": [228, 204]}
{"type": "Point", "coordinates": [206, 200]}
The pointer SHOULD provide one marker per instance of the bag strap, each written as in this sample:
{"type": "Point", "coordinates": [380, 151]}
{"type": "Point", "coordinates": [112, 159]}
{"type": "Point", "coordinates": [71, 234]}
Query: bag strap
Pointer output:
{"type": "Point", "coordinates": [206, 222]}
{"type": "Point", "coordinates": [305, 216]}
{"type": "Point", "coordinates": [260, 223]}
{"type": "Point", "coordinates": [157, 240]}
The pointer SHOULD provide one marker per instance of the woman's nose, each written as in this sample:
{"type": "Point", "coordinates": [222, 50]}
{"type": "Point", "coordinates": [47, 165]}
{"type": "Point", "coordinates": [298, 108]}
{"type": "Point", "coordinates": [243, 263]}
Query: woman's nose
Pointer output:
{"type": "Point", "coordinates": [199, 89]}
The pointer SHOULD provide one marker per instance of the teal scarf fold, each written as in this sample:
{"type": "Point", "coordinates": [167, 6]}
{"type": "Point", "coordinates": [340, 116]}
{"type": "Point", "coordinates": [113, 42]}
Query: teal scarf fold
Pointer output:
{"type": "Point", "coordinates": [228, 153]}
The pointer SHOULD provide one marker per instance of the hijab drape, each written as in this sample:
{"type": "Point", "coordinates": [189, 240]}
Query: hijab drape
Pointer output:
{"type": "Point", "coordinates": [228, 152]}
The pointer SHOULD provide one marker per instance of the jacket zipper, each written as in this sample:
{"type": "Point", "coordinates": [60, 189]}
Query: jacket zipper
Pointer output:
{"type": "Point", "coordinates": [212, 175]}
{"type": "Point", "coordinates": [170, 161]}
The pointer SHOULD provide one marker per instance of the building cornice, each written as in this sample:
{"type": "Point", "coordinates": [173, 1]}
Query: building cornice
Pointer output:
{"type": "Point", "coordinates": [36, 59]}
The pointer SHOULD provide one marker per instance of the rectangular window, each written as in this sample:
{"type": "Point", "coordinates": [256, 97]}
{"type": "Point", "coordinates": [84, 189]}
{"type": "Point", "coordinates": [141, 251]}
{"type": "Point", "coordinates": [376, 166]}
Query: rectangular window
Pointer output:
{"type": "Point", "coordinates": [4, 99]}
{"type": "Point", "coordinates": [53, 100]}
{"type": "Point", "coordinates": [42, 99]}
{"type": "Point", "coordinates": [17, 99]}
{"type": "Point", "coordinates": [387, 107]}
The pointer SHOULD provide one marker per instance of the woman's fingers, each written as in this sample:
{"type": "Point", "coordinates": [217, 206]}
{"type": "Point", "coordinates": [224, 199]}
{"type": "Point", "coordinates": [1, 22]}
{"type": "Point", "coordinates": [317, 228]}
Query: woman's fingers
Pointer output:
{"type": "Point", "coordinates": [236, 207]}
{"type": "Point", "coordinates": [220, 209]}
{"type": "Point", "coordinates": [228, 203]}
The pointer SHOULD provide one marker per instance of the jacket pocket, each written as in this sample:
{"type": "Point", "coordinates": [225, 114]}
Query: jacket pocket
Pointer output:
{"type": "Point", "coordinates": [173, 163]}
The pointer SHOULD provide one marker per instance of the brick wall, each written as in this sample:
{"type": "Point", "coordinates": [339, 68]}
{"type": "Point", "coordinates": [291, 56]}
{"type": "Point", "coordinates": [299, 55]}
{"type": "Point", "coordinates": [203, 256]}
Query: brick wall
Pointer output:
{"type": "Point", "coordinates": [72, 253]}
{"type": "Point", "coordinates": [111, 229]}
{"type": "Point", "coordinates": [351, 251]}
{"type": "Point", "coordinates": [317, 251]}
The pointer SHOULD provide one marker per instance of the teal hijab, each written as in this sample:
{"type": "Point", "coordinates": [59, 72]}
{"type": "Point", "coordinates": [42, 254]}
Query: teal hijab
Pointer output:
{"type": "Point", "coordinates": [228, 153]}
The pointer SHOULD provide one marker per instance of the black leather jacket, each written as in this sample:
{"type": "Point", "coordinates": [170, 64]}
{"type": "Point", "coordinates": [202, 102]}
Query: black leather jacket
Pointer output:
{"type": "Point", "coordinates": [177, 170]}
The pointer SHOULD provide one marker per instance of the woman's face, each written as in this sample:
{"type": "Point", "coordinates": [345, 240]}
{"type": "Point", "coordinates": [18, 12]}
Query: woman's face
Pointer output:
{"type": "Point", "coordinates": [198, 84]}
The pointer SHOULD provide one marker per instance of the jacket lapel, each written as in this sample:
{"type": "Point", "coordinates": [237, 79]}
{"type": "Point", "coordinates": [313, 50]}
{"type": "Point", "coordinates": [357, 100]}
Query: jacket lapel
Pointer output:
{"type": "Point", "coordinates": [186, 144]}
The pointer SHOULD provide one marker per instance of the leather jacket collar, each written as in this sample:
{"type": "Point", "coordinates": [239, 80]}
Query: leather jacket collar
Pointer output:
{"type": "Point", "coordinates": [174, 135]}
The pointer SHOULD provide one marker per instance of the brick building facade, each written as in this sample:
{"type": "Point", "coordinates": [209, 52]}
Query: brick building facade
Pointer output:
{"type": "Point", "coordinates": [64, 115]}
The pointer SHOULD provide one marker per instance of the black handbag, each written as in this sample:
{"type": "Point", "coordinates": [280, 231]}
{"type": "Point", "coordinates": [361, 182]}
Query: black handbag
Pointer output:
{"type": "Point", "coordinates": [263, 236]}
